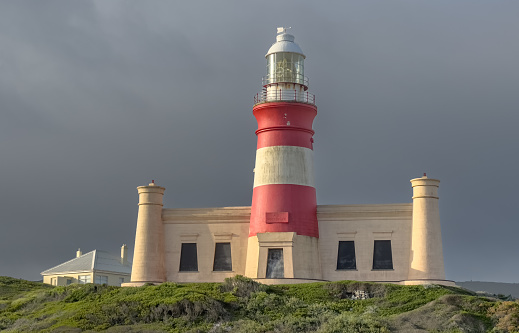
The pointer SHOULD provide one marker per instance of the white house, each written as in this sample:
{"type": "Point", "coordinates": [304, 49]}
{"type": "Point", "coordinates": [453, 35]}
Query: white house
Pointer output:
{"type": "Point", "coordinates": [96, 266]}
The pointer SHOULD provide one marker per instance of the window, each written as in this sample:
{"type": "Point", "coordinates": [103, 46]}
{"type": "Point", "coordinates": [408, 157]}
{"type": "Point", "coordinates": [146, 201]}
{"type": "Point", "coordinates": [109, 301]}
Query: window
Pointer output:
{"type": "Point", "coordinates": [346, 255]}
{"type": "Point", "coordinates": [69, 281]}
{"type": "Point", "coordinates": [101, 279]}
{"type": "Point", "coordinates": [53, 281]}
{"type": "Point", "coordinates": [222, 257]}
{"type": "Point", "coordinates": [285, 67]}
{"type": "Point", "coordinates": [275, 265]}
{"type": "Point", "coordinates": [188, 258]}
{"type": "Point", "coordinates": [84, 279]}
{"type": "Point", "coordinates": [121, 280]}
{"type": "Point", "coordinates": [382, 256]}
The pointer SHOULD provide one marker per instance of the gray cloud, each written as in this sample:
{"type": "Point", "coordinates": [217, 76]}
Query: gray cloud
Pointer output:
{"type": "Point", "coordinates": [100, 97]}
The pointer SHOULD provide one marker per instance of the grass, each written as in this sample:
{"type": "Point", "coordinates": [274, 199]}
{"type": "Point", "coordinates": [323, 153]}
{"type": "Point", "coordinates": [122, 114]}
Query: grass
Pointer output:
{"type": "Point", "coordinates": [242, 305]}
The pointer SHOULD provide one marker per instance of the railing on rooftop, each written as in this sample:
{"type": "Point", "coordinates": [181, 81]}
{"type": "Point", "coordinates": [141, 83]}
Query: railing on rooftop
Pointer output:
{"type": "Point", "coordinates": [279, 95]}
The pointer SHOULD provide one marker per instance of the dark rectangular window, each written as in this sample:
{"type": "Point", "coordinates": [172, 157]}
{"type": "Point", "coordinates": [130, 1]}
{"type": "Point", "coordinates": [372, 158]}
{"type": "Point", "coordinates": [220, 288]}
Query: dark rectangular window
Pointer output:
{"type": "Point", "coordinates": [346, 255]}
{"type": "Point", "coordinates": [275, 265]}
{"type": "Point", "coordinates": [222, 257]}
{"type": "Point", "coordinates": [382, 256]}
{"type": "Point", "coordinates": [188, 258]}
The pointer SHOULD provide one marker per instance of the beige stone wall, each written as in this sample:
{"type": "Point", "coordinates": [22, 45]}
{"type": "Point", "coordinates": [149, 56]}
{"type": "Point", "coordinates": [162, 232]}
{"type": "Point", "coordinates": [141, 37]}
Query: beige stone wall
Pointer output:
{"type": "Point", "coordinates": [428, 281]}
{"type": "Point", "coordinates": [252, 264]}
{"type": "Point", "coordinates": [304, 257]}
{"type": "Point", "coordinates": [205, 227]}
{"type": "Point", "coordinates": [364, 224]}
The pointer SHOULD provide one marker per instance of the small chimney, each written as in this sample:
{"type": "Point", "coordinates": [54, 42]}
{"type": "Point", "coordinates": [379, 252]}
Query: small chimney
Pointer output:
{"type": "Point", "coordinates": [79, 253]}
{"type": "Point", "coordinates": [124, 254]}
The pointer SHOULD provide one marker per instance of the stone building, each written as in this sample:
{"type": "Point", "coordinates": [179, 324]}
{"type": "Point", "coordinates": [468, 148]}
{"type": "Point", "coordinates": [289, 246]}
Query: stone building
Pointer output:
{"type": "Point", "coordinates": [284, 236]}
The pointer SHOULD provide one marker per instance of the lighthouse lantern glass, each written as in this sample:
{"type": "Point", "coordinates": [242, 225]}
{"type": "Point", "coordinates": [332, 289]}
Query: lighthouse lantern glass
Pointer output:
{"type": "Point", "coordinates": [285, 67]}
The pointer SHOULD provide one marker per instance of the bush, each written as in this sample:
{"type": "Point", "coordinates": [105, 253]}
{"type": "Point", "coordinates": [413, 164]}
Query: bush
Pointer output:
{"type": "Point", "coordinates": [346, 289]}
{"type": "Point", "coordinates": [244, 305]}
{"type": "Point", "coordinates": [505, 316]}
{"type": "Point", "coordinates": [242, 286]}
{"type": "Point", "coordinates": [351, 323]}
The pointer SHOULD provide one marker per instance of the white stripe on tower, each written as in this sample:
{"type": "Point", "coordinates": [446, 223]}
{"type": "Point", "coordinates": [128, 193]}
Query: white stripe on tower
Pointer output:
{"type": "Point", "coordinates": [284, 165]}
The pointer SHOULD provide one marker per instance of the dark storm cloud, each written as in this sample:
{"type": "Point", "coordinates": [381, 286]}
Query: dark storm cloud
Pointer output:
{"type": "Point", "coordinates": [99, 97]}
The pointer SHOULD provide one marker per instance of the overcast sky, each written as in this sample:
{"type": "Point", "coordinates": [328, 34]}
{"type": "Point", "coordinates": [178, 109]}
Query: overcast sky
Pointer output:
{"type": "Point", "coordinates": [99, 97]}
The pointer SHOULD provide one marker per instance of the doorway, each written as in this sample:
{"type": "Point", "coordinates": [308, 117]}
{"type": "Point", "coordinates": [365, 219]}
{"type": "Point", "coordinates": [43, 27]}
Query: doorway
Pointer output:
{"type": "Point", "coordinates": [275, 265]}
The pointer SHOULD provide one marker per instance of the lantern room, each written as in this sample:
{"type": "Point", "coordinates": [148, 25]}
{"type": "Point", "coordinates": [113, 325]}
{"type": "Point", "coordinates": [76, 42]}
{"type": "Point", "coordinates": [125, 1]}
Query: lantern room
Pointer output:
{"type": "Point", "coordinates": [285, 79]}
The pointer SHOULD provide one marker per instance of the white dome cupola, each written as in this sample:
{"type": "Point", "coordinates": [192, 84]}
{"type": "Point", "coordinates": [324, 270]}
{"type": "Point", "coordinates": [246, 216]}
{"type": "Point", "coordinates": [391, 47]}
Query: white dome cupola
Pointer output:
{"type": "Point", "coordinates": [284, 43]}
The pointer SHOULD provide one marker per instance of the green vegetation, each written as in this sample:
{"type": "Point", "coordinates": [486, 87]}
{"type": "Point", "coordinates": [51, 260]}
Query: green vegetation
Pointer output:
{"type": "Point", "coordinates": [242, 305]}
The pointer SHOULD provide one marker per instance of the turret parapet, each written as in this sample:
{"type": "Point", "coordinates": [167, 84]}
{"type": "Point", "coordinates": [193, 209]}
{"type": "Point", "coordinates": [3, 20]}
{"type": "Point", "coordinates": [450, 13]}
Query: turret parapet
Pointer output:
{"type": "Point", "coordinates": [148, 257]}
{"type": "Point", "coordinates": [151, 194]}
{"type": "Point", "coordinates": [425, 187]}
{"type": "Point", "coordinates": [426, 261]}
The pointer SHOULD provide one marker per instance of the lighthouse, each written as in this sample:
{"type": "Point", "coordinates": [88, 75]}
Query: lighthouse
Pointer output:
{"type": "Point", "coordinates": [283, 231]}
{"type": "Point", "coordinates": [278, 238]}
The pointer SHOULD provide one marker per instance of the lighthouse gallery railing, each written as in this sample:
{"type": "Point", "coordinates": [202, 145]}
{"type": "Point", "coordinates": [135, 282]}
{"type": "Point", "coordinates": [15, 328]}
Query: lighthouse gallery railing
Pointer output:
{"type": "Point", "coordinates": [283, 95]}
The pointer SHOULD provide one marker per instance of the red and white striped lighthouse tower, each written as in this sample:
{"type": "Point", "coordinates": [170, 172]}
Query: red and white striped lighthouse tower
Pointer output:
{"type": "Point", "coordinates": [283, 213]}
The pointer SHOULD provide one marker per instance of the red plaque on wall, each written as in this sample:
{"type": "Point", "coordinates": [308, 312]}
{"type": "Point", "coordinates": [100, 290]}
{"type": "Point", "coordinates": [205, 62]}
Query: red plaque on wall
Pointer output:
{"type": "Point", "coordinates": [277, 217]}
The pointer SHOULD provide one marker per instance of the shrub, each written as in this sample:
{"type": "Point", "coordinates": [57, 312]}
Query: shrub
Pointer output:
{"type": "Point", "coordinates": [242, 286]}
{"type": "Point", "coordinates": [505, 316]}
{"type": "Point", "coordinates": [351, 323]}
{"type": "Point", "coordinates": [346, 289]}
{"type": "Point", "coordinates": [243, 305]}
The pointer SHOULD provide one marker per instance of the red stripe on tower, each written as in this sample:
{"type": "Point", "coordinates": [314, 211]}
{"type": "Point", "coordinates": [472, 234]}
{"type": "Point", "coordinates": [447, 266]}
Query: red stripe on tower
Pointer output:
{"type": "Point", "coordinates": [284, 197]}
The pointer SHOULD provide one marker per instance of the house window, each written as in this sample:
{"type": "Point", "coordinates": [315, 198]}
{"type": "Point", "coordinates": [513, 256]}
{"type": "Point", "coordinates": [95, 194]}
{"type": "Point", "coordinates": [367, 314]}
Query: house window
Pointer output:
{"type": "Point", "coordinates": [188, 258]}
{"type": "Point", "coordinates": [382, 256]}
{"type": "Point", "coordinates": [69, 281]}
{"type": "Point", "coordinates": [222, 257]}
{"type": "Point", "coordinates": [53, 281]}
{"type": "Point", "coordinates": [84, 279]}
{"type": "Point", "coordinates": [275, 265]}
{"type": "Point", "coordinates": [101, 279]}
{"type": "Point", "coordinates": [121, 281]}
{"type": "Point", "coordinates": [346, 255]}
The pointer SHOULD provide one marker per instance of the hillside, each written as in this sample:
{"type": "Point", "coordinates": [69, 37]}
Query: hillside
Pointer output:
{"type": "Point", "coordinates": [242, 305]}
{"type": "Point", "coordinates": [492, 287]}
